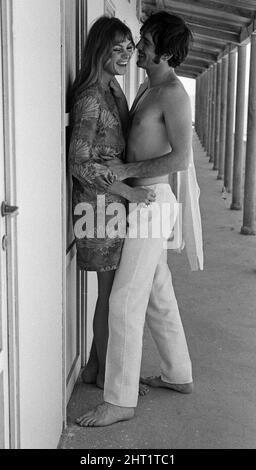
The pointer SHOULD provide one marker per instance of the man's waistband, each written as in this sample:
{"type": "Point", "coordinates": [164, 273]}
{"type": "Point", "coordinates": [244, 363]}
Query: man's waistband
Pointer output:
{"type": "Point", "coordinates": [148, 181]}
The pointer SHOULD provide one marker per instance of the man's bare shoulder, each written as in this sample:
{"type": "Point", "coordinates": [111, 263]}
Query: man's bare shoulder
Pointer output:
{"type": "Point", "coordinates": [174, 93]}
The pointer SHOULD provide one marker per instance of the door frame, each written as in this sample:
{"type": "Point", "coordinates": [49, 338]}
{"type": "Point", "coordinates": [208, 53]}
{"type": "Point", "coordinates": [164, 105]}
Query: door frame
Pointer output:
{"type": "Point", "coordinates": [6, 7]}
{"type": "Point", "coordinates": [69, 251]}
{"type": "Point", "coordinates": [64, 222]}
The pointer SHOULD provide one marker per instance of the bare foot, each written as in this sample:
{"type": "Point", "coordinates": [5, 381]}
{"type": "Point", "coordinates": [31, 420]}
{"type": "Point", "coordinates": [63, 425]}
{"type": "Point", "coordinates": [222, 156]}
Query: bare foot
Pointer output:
{"type": "Point", "coordinates": [158, 382]}
{"type": "Point", "coordinates": [104, 415]}
{"type": "Point", "coordinates": [89, 374]}
{"type": "Point", "coordinates": [143, 389]}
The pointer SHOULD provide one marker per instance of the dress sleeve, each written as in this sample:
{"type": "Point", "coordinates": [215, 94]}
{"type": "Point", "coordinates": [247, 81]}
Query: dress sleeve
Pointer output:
{"type": "Point", "coordinates": [82, 155]}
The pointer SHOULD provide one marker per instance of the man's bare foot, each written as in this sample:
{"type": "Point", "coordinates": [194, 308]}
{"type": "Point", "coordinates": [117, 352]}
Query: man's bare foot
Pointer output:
{"type": "Point", "coordinates": [158, 382]}
{"type": "Point", "coordinates": [89, 374]}
{"type": "Point", "coordinates": [104, 415]}
{"type": "Point", "coordinates": [143, 389]}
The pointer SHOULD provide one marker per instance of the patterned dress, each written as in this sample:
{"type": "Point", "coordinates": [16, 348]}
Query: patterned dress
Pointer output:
{"type": "Point", "coordinates": [96, 137]}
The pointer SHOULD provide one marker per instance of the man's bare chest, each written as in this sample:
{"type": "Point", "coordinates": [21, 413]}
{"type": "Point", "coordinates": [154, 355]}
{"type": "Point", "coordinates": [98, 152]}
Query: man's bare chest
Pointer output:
{"type": "Point", "coordinates": [148, 113]}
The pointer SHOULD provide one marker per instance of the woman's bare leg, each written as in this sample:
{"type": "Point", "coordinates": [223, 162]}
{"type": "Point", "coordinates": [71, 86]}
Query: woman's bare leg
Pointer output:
{"type": "Point", "coordinates": [90, 372]}
{"type": "Point", "coordinates": [100, 322]}
{"type": "Point", "coordinates": [94, 370]}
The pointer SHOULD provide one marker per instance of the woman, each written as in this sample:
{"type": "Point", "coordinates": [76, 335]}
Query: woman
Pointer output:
{"type": "Point", "coordinates": [99, 121]}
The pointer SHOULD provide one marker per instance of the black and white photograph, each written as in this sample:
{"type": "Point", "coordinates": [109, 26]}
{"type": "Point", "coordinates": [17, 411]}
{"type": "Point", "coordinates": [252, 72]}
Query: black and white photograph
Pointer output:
{"type": "Point", "coordinates": [127, 229]}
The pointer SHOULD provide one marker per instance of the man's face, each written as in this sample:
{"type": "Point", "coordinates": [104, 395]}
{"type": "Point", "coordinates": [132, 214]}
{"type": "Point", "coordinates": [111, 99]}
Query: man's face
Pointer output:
{"type": "Point", "coordinates": [146, 51]}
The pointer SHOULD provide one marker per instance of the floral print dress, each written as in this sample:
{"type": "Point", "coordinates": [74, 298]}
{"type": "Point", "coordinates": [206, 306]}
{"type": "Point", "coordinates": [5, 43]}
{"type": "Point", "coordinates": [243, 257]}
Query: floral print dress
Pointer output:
{"type": "Point", "coordinates": [96, 137]}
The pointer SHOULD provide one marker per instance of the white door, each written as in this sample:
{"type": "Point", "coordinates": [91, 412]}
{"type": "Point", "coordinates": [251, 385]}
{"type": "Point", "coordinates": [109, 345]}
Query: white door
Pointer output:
{"type": "Point", "coordinates": [4, 376]}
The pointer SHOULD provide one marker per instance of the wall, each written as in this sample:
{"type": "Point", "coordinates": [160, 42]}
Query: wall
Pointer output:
{"type": "Point", "coordinates": [94, 10]}
{"type": "Point", "coordinates": [37, 74]}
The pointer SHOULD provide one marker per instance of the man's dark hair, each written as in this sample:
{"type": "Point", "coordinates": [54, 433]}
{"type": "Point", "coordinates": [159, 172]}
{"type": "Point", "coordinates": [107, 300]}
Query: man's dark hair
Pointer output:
{"type": "Point", "coordinates": [170, 35]}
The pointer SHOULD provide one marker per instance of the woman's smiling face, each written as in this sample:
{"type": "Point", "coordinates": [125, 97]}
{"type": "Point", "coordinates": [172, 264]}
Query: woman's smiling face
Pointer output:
{"type": "Point", "coordinates": [119, 58]}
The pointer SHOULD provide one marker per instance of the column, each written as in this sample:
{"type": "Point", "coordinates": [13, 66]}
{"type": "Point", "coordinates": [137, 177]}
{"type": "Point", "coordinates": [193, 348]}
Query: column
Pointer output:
{"type": "Point", "coordinates": [223, 116]}
{"type": "Point", "coordinates": [229, 152]}
{"type": "Point", "coordinates": [199, 108]}
{"type": "Point", "coordinates": [203, 109]}
{"type": "Point", "coordinates": [249, 215]}
{"type": "Point", "coordinates": [197, 104]}
{"type": "Point", "coordinates": [210, 112]}
{"type": "Point", "coordinates": [239, 130]}
{"type": "Point", "coordinates": [213, 135]}
{"type": "Point", "coordinates": [217, 118]}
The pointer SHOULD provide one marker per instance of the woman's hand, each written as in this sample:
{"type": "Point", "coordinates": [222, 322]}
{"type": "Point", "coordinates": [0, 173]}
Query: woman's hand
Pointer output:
{"type": "Point", "coordinates": [142, 195]}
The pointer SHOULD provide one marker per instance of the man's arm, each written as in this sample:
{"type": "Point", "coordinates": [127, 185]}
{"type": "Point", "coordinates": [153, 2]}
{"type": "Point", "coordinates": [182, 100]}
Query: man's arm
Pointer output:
{"type": "Point", "coordinates": [176, 110]}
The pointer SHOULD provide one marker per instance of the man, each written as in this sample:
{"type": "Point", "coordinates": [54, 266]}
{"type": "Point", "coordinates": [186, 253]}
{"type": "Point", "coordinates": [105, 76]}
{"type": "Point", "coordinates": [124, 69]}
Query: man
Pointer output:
{"type": "Point", "coordinates": [159, 143]}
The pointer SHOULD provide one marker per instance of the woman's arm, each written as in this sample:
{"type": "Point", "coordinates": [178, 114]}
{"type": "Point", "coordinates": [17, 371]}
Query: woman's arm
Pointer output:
{"type": "Point", "coordinates": [82, 163]}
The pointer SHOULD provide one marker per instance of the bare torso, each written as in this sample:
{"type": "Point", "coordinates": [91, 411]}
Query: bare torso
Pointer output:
{"type": "Point", "coordinates": [148, 137]}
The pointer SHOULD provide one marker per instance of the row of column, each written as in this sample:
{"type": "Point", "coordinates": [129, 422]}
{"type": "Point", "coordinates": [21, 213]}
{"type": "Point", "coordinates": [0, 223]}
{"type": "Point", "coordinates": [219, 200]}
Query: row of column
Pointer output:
{"type": "Point", "coordinates": [219, 123]}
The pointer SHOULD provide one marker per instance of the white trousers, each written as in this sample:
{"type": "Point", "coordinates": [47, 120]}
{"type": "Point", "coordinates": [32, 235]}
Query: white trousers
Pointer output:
{"type": "Point", "coordinates": [142, 290]}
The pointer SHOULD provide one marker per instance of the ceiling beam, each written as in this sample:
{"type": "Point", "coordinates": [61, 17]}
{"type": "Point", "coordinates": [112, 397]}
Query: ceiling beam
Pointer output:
{"type": "Point", "coordinates": [196, 62]}
{"type": "Point", "coordinates": [202, 55]}
{"type": "Point", "coordinates": [215, 34]}
{"type": "Point", "coordinates": [244, 37]}
{"type": "Point", "coordinates": [212, 22]}
{"type": "Point", "coordinates": [247, 31]}
{"type": "Point", "coordinates": [210, 44]}
{"type": "Point", "coordinates": [160, 4]}
{"type": "Point", "coordinates": [201, 7]}
{"type": "Point", "coordinates": [209, 6]}
{"type": "Point", "coordinates": [207, 46]}
{"type": "Point", "coordinates": [190, 68]}
{"type": "Point", "coordinates": [216, 42]}
{"type": "Point", "coordinates": [187, 75]}
{"type": "Point", "coordinates": [204, 16]}
{"type": "Point", "coordinates": [244, 4]}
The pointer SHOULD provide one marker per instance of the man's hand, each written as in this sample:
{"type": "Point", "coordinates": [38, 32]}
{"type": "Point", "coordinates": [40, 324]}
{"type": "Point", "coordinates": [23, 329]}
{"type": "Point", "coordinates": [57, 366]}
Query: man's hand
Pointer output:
{"type": "Point", "coordinates": [119, 169]}
{"type": "Point", "coordinates": [142, 195]}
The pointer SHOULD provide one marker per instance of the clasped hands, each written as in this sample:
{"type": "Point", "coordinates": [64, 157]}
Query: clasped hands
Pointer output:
{"type": "Point", "coordinates": [139, 194]}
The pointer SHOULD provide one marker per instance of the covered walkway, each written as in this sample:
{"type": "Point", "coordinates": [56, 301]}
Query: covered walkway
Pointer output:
{"type": "Point", "coordinates": [218, 308]}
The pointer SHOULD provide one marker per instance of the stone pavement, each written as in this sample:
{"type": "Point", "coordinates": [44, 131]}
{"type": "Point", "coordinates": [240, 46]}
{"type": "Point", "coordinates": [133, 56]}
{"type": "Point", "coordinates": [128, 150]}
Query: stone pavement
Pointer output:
{"type": "Point", "coordinates": [218, 309]}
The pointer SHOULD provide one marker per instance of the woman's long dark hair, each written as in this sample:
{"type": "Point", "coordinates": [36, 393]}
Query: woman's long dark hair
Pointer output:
{"type": "Point", "coordinates": [101, 38]}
